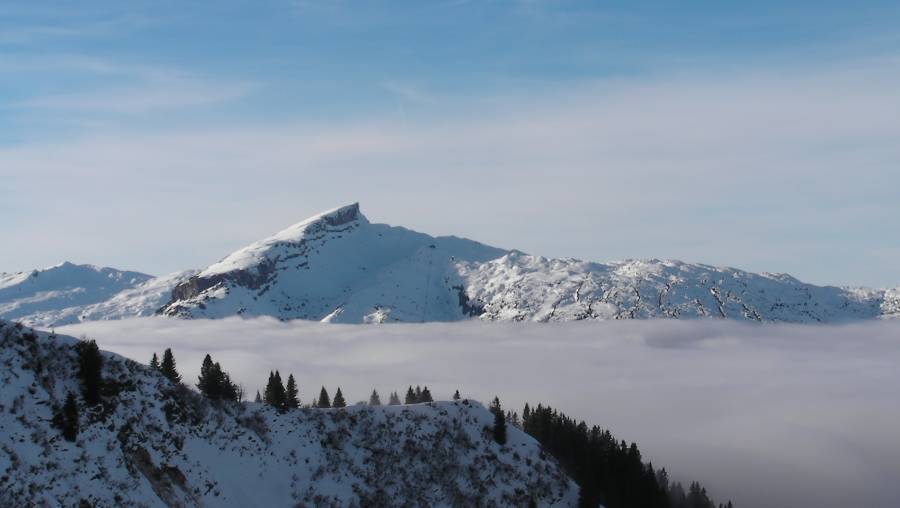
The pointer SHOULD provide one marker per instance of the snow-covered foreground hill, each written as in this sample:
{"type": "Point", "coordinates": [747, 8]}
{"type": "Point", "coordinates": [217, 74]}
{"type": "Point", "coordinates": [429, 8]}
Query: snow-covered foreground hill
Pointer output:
{"type": "Point", "coordinates": [153, 443]}
{"type": "Point", "coordinates": [338, 267]}
{"type": "Point", "coordinates": [767, 415]}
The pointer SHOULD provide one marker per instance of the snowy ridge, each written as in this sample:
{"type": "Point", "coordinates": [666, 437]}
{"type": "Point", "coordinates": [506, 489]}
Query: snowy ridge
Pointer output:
{"type": "Point", "coordinates": [338, 267]}
{"type": "Point", "coordinates": [87, 299]}
{"type": "Point", "coordinates": [42, 296]}
{"type": "Point", "coordinates": [518, 287]}
{"type": "Point", "coordinates": [152, 443]}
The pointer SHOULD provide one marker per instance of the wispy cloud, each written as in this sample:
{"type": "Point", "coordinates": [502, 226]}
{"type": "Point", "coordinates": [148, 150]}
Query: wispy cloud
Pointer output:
{"type": "Point", "coordinates": [759, 170]}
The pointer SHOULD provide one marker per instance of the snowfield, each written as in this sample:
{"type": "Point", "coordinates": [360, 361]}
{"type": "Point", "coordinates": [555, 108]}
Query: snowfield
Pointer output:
{"type": "Point", "coordinates": [767, 415]}
{"type": "Point", "coordinates": [152, 443]}
{"type": "Point", "coordinates": [337, 267]}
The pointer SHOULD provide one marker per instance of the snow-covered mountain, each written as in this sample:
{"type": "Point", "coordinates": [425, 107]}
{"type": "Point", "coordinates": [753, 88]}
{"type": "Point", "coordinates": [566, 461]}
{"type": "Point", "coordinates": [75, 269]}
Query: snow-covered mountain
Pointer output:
{"type": "Point", "coordinates": [48, 296]}
{"type": "Point", "coordinates": [68, 293]}
{"type": "Point", "coordinates": [152, 443]}
{"type": "Point", "coordinates": [339, 267]}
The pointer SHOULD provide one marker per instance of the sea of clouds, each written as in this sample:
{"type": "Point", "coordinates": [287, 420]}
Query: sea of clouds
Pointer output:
{"type": "Point", "coordinates": [767, 415]}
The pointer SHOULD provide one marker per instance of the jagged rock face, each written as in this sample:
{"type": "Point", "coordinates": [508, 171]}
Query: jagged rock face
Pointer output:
{"type": "Point", "coordinates": [152, 443]}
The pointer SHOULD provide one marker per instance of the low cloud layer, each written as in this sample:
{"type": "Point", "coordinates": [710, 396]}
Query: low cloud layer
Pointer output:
{"type": "Point", "coordinates": [769, 416]}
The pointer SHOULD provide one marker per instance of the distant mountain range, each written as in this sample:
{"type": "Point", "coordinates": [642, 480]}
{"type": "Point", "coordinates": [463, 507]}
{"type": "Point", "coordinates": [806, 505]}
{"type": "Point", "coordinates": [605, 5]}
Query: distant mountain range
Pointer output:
{"type": "Point", "coordinates": [339, 267]}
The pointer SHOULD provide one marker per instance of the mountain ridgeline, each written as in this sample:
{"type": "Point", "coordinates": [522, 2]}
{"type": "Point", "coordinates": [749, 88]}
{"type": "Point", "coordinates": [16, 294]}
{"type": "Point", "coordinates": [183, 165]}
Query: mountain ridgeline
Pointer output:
{"type": "Point", "coordinates": [339, 267]}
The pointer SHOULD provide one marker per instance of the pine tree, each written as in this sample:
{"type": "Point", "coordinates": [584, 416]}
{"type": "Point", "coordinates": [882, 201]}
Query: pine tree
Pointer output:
{"type": "Point", "coordinates": [154, 362]}
{"type": "Point", "coordinates": [276, 394]}
{"type": "Point", "coordinates": [205, 382]}
{"type": "Point", "coordinates": [67, 419]}
{"type": "Point", "coordinates": [280, 401]}
{"type": "Point", "coordinates": [394, 399]}
{"type": "Point", "coordinates": [90, 370]}
{"type": "Point", "coordinates": [167, 367]}
{"type": "Point", "coordinates": [258, 399]}
{"type": "Point", "coordinates": [499, 422]}
{"type": "Point", "coordinates": [215, 383]}
{"type": "Point", "coordinates": [410, 396]}
{"type": "Point", "coordinates": [291, 399]}
{"type": "Point", "coordinates": [456, 395]}
{"type": "Point", "coordinates": [338, 399]}
{"type": "Point", "coordinates": [425, 396]}
{"type": "Point", "coordinates": [374, 399]}
{"type": "Point", "coordinates": [417, 395]}
{"type": "Point", "coordinates": [323, 401]}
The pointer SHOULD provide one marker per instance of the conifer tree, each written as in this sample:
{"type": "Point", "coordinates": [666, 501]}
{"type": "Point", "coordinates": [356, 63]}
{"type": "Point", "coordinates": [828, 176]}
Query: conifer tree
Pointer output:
{"type": "Point", "coordinates": [258, 399]}
{"type": "Point", "coordinates": [276, 395]}
{"type": "Point", "coordinates": [67, 419]}
{"type": "Point", "coordinates": [167, 367]}
{"type": "Point", "coordinates": [410, 396]}
{"type": "Point", "coordinates": [205, 382]}
{"type": "Point", "coordinates": [324, 401]}
{"type": "Point", "coordinates": [338, 399]}
{"type": "Point", "coordinates": [374, 399]}
{"type": "Point", "coordinates": [291, 399]}
{"type": "Point", "coordinates": [215, 383]}
{"type": "Point", "coordinates": [425, 396]}
{"type": "Point", "coordinates": [90, 370]}
{"type": "Point", "coordinates": [154, 362]}
{"type": "Point", "coordinates": [394, 399]}
{"type": "Point", "coordinates": [456, 395]}
{"type": "Point", "coordinates": [499, 422]}
{"type": "Point", "coordinates": [417, 395]}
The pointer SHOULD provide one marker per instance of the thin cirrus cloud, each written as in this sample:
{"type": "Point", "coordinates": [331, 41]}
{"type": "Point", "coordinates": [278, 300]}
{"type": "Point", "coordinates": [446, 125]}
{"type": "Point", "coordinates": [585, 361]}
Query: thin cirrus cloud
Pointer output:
{"type": "Point", "coordinates": [766, 169]}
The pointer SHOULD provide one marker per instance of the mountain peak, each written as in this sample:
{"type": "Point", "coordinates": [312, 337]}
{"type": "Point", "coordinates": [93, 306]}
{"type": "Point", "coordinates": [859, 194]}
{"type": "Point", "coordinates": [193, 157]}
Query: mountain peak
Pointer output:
{"type": "Point", "coordinates": [334, 217]}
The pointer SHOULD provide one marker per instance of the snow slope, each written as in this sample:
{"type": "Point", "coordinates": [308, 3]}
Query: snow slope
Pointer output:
{"type": "Point", "coordinates": [152, 443]}
{"type": "Point", "coordinates": [68, 294]}
{"type": "Point", "coordinates": [339, 267]}
{"type": "Point", "coordinates": [45, 294]}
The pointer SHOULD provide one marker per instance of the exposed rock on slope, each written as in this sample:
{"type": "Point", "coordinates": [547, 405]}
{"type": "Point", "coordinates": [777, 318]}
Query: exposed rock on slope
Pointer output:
{"type": "Point", "coordinates": [339, 267]}
{"type": "Point", "coordinates": [152, 443]}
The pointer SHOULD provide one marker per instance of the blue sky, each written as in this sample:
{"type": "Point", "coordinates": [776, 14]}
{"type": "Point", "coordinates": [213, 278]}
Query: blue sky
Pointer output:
{"type": "Point", "coordinates": [158, 136]}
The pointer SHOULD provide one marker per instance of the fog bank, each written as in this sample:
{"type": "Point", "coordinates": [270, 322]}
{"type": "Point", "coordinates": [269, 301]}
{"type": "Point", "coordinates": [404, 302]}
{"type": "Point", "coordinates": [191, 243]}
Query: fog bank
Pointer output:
{"type": "Point", "coordinates": [770, 416]}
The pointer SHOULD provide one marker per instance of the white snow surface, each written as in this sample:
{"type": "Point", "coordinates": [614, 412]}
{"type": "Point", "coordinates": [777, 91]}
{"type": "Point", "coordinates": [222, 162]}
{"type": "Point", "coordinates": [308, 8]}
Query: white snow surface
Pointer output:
{"type": "Point", "coordinates": [52, 296]}
{"type": "Point", "coordinates": [337, 267]}
{"type": "Point", "coordinates": [157, 444]}
{"type": "Point", "coordinates": [68, 293]}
